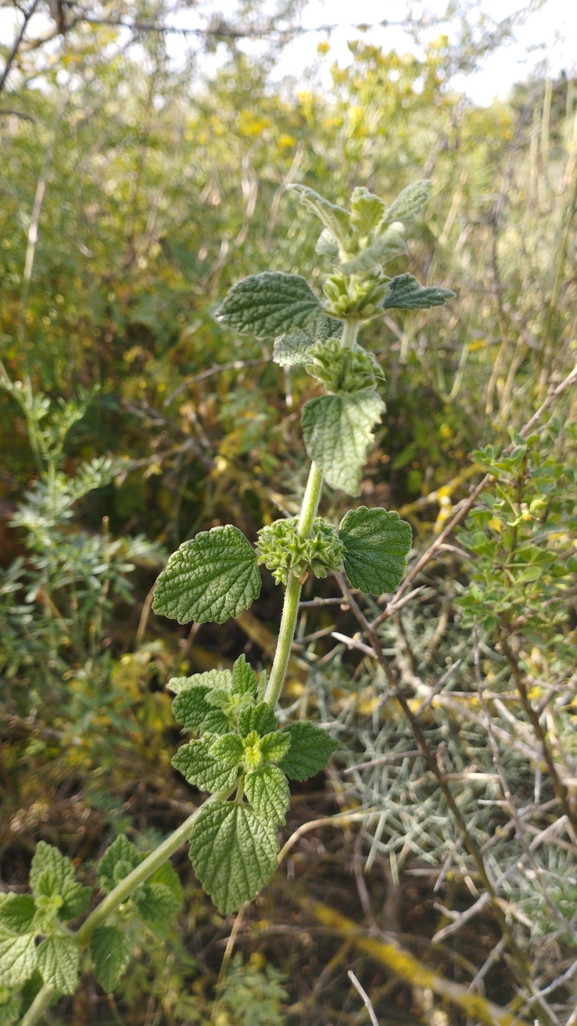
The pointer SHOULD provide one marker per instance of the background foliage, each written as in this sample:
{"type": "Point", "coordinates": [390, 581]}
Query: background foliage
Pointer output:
{"type": "Point", "coordinates": [133, 196]}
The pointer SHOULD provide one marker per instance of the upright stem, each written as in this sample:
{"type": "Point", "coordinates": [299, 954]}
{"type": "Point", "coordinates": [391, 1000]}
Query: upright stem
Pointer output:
{"type": "Point", "coordinates": [293, 588]}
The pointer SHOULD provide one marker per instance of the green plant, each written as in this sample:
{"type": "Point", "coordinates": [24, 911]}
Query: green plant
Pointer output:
{"type": "Point", "coordinates": [238, 754]}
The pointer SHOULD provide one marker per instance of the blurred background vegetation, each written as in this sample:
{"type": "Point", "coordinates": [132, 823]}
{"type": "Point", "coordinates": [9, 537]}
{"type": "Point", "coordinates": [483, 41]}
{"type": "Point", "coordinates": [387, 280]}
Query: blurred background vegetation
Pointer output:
{"type": "Point", "coordinates": [133, 194]}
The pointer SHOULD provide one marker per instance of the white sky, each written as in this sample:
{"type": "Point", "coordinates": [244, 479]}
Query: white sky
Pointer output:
{"type": "Point", "coordinates": [549, 37]}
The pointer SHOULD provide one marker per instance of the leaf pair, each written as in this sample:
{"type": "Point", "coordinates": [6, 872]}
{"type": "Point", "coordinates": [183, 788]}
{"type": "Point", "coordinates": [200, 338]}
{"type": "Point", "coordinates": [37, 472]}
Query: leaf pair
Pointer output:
{"type": "Point", "coordinates": [234, 846]}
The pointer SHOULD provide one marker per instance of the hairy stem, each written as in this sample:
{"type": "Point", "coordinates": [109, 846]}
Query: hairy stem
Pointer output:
{"type": "Point", "coordinates": [293, 588]}
{"type": "Point", "coordinates": [117, 897]}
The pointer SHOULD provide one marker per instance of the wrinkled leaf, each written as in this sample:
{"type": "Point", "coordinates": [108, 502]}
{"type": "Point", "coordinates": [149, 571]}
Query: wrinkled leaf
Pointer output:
{"type": "Point", "coordinates": [110, 952]}
{"type": "Point", "coordinates": [74, 896]}
{"type": "Point", "coordinates": [376, 545]}
{"type": "Point", "coordinates": [268, 792]}
{"type": "Point", "coordinates": [309, 752]}
{"type": "Point", "coordinates": [119, 859]}
{"type": "Point", "coordinates": [337, 432]}
{"type": "Point", "coordinates": [405, 293]}
{"type": "Point", "coordinates": [200, 767]}
{"type": "Point", "coordinates": [212, 577]}
{"type": "Point", "coordinates": [234, 852]}
{"type": "Point", "coordinates": [410, 202]}
{"type": "Point", "coordinates": [59, 962]}
{"type": "Point", "coordinates": [269, 303]}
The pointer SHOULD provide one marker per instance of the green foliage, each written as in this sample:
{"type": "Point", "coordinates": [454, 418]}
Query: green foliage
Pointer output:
{"type": "Point", "coordinates": [234, 852]}
{"type": "Point", "coordinates": [295, 348]}
{"type": "Point", "coordinates": [337, 431]}
{"type": "Point", "coordinates": [251, 995]}
{"type": "Point", "coordinates": [309, 752]}
{"type": "Point", "coordinates": [267, 791]}
{"type": "Point", "coordinates": [410, 202]}
{"type": "Point", "coordinates": [269, 303]}
{"type": "Point", "coordinates": [110, 953]}
{"type": "Point", "coordinates": [58, 960]}
{"type": "Point", "coordinates": [52, 874]}
{"type": "Point", "coordinates": [405, 293]}
{"type": "Point", "coordinates": [520, 536]}
{"type": "Point", "coordinates": [282, 549]}
{"type": "Point", "coordinates": [342, 370]}
{"type": "Point", "coordinates": [212, 577]}
{"type": "Point", "coordinates": [376, 543]}
{"type": "Point", "coordinates": [119, 859]}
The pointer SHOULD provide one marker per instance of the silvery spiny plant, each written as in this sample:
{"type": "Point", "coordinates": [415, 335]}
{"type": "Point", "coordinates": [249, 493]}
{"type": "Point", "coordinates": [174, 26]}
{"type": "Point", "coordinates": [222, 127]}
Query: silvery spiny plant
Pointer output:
{"type": "Point", "coordinates": [238, 754]}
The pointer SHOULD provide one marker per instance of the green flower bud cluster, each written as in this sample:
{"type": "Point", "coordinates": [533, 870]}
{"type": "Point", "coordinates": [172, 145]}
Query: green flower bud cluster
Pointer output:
{"type": "Point", "coordinates": [344, 368]}
{"type": "Point", "coordinates": [348, 297]}
{"type": "Point", "coordinates": [281, 549]}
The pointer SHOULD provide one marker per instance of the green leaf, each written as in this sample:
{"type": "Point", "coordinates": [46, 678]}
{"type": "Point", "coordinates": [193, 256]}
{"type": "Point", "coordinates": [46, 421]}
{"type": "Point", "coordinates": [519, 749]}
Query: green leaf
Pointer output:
{"type": "Point", "coordinates": [376, 545]}
{"type": "Point", "coordinates": [269, 303]}
{"type": "Point", "coordinates": [228, 749]}
{"type": "Point", "coordinates": [59, 962]}
{"type": "Point", "coordinates": [63, 881]}
{"type": "Point", "coordinates": [110, 953]}
{"type": "Point", "coordinates": [274, 746]}
{"type": "Point", "coordinates": [119, 859]}
{"type": "Point", "coordinates": [292, 349]}
{"type": "Point", "coordinates": [234, 852]}
{"type": "Point", "coordinates": [337, 220]}
{"type": "Point", "coordinates": [384, 248]}
{"type": "Point", "coordinates": [190, 707]}
{"type": "Point", "coordinates": [244, 680]}
{"type": "Point", "coordinates": [201, 768]}
{"type": "Point", "coordinates": [410, 202]}
{"type": "Point", "coordinates": [326, 244]}
{"type": "Point", "coordinates": [367, 211]}
{"type": "Point", "coordinates": [337, 433]}
{"type": "Point", "coordinates": [268, 792]}
{"type": "Point", "coordinates": [9, 1009]}
{"type": "Point", "coordinates": [258, 717]}
{"type": "Point", "coordinates": [157, 906]}
{"type": "Point", "coordinates": [210, 679]}
{"type": "Point", "coordinates": [309, 752]}
{"type": "Point", "coordinates": [17, 959]}
{"type": "Point", "coordinates": [213, 577]}
{"type": "Point", "coordinates": [17, 912]}
{"type": "Point", "coordinates": [405, 293]}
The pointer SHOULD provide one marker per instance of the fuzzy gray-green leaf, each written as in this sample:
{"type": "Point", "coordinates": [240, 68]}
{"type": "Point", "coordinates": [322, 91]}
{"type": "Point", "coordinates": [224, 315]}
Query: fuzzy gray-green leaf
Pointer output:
{"type": "Point", "coordinates": [110, 953]}
{"type": "Point", "coordinates": [385, 247]}
{"type": "Point", "coordinates": [410, 202]}
{"type": "Point", "coordinates": [405, 293]}
{"type": "Point", "coordinates": [234, 852]}
{"type": "Point", "coordinates": [336, 219]}
{"type": "Point", "coordinates": [269, 303]}
{"type": "Point", "coordinates": [212, 577]}
{"type": "Point", "coordinates": [376, 545]}
{"type": "Point", "coordinates": [337, 433]}
{"type": "Point", "coordinates": [268, 792]}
